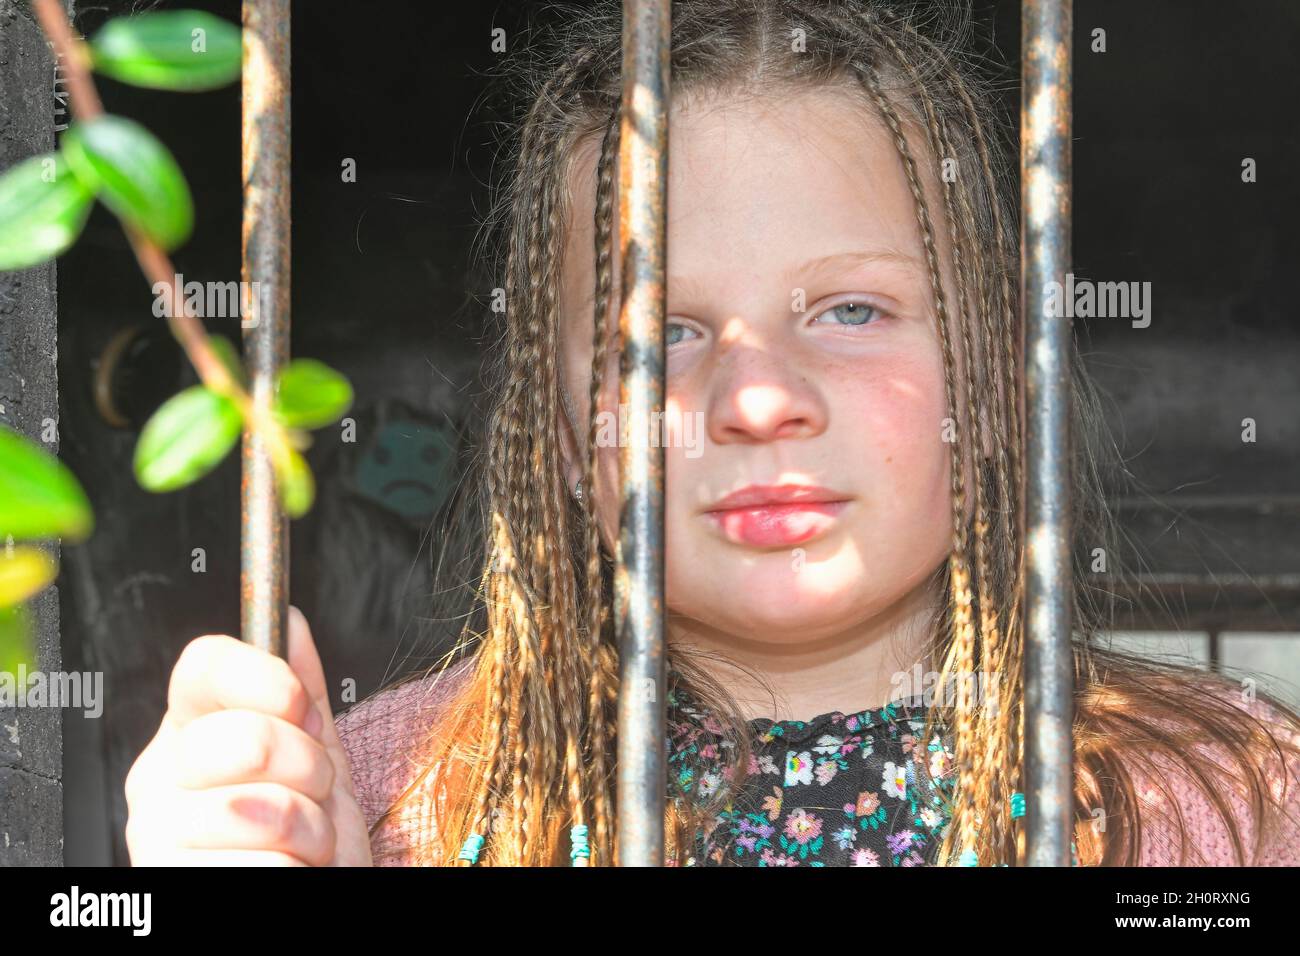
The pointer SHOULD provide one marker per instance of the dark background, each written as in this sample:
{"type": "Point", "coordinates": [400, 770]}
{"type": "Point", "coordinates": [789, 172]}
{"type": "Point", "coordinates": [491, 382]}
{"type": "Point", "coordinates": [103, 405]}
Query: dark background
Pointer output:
{"type": "Point", "coordinates": [383, 289]}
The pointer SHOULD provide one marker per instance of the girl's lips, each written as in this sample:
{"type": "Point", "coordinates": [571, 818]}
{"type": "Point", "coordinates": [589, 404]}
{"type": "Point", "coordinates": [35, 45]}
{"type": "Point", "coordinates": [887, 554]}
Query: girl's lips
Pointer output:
{"type": "Point", "coordinates": [776, 525]}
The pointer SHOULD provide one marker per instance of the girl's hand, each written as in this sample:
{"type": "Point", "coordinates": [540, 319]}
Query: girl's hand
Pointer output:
{"type": "Point", "coordinates": [246, 768]}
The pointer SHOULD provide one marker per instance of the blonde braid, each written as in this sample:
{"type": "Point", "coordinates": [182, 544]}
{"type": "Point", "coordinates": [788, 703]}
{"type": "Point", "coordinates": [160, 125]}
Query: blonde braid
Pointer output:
{"type": "Point", "coordinates": [603, 685]}
{"type": "Point", "coordinates": [496, 714]}
{"type": "Point", "coordinates": [550, 552]}
{"type": "Point", "coordinates": [1001, 652]}
{"type": "Point", "coordinates": [1010, 476]}
{"type": "Point", "coordinates": [526, 353]}
{"type": "Point", "coordinates": [562, 664]}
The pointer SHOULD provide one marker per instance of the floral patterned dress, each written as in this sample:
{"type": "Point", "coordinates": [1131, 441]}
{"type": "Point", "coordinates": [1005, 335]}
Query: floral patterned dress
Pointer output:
{"type": "Point", "coordinates": [836, 790]}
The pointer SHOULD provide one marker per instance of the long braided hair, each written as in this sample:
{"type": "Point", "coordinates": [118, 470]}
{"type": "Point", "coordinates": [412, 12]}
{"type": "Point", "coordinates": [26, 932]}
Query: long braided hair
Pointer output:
{"type": "Point", "coordinates": [527, 750]}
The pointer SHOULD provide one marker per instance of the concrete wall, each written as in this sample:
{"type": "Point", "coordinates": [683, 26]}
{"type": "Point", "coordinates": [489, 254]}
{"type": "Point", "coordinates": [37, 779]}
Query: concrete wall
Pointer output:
{"type": "Point", "coordinates": [31, 739]}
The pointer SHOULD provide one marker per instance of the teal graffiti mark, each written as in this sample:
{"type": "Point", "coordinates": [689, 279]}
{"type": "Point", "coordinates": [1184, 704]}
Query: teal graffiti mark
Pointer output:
{"type": "Point", "coordinates": [408, 469]}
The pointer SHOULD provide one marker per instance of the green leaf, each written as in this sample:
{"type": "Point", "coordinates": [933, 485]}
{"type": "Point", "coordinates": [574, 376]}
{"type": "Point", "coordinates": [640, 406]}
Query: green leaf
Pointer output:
{"type": "Point", "coordinates": [15, 638]}
{"type": "Point", "coordinates": [297, 486]}
{"type": "Point", "coordinates": [186, 438]}
{"type": "Point", "coordinates": [180, 50]}
{"type": "Point", "coordinates": [39, 496]}
{"type": "Point", "coordinates": [135, 176]}
{"type": "Point", "coordinates": [43, 207]}
{"type": "Point", "coordinates": [311, 394]}
{"type": "Point", "coordinates": [24, 572]}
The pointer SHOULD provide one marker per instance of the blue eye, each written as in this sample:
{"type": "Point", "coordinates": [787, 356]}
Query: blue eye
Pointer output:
{"type": "Point", "coordinates": [855, 313]}
{"type": "Point", "coordinates": [669, 337]}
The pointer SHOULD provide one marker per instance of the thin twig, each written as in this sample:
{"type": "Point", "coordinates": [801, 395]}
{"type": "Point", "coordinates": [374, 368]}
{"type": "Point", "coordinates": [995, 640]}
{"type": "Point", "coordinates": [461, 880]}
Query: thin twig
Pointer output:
{"type": "Point", "coordinates": [154, 263]}
{"type": "Point", "coordinates": [54, 22]}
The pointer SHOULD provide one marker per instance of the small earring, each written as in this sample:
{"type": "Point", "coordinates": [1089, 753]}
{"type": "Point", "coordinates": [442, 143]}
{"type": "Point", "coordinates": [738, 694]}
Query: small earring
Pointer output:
{"type": "Point", "coordinates": [577, 490]}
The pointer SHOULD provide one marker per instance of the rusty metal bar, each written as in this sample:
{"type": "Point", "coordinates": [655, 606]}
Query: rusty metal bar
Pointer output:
{"type": "Point", "coordinates": [639, 574]}
{"type": "Point", "coordinates": [264, 530]}
{"type": "Point", "coordinates": [1045, 167]}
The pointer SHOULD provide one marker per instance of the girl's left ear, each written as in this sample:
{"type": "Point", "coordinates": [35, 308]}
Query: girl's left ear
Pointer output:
{"type": "Point", "coordinates": [571, 459]}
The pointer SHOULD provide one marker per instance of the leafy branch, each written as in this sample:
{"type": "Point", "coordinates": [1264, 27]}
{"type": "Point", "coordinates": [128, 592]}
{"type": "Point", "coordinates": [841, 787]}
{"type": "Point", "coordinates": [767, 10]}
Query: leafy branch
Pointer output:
{"type": "Point", "coordinates": [44, 204]}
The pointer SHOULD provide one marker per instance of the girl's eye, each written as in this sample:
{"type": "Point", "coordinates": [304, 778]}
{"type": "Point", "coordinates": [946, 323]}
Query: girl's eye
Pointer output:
{"type": "Point", "coordinates": [670, 330]}
{"type": "Point", "coordinates": [853, 313]}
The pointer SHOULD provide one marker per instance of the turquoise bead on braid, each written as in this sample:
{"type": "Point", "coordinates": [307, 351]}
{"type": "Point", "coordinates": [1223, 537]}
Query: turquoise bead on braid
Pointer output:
{"type": "Point", "coordinates": [578, 837]}
{"type": "Point", "coordinates": [1017, 805]}
{"type": "Point", "coordinates": [970, 858]}
{"type": "Point", "coordinates": [473, 843]}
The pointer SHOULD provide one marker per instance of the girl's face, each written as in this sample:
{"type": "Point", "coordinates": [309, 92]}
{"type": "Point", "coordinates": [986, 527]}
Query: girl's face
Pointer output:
{"type": "Point", "coordinates": [802, 350]}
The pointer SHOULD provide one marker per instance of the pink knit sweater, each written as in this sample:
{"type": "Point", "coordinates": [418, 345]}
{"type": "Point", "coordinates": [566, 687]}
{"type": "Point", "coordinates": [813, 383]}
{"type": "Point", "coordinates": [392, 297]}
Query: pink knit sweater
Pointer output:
{"type": "Point", "coordinates": [383, 734]}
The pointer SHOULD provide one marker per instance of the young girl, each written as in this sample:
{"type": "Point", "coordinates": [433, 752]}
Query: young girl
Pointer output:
{"type": "Point", "coordinates": [844, 531]}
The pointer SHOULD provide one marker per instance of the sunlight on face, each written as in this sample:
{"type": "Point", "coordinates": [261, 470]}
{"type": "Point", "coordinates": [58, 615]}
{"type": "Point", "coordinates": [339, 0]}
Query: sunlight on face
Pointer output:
{"type": "Point", "coordinates": [801, 332]}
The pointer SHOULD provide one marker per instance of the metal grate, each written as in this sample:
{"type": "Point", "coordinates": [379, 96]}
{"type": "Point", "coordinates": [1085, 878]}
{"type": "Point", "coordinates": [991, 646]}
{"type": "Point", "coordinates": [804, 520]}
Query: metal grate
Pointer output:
{"type": "Point", "coordinates": [639, 607]}
{"type": "Point", "coordinates": [1045, 193]}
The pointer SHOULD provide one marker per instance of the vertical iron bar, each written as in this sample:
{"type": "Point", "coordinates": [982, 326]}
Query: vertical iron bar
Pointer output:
{"type": "Point", "coordinates": [264, 548]}
{"type": "Point", "coordinates": [1045, 159]}
{"type": "Point", "coordinates": [639, 577]}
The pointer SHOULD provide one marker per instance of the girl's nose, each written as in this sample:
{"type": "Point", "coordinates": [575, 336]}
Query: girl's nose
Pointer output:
{"type": "Point", "coordinates": [758, 395]}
